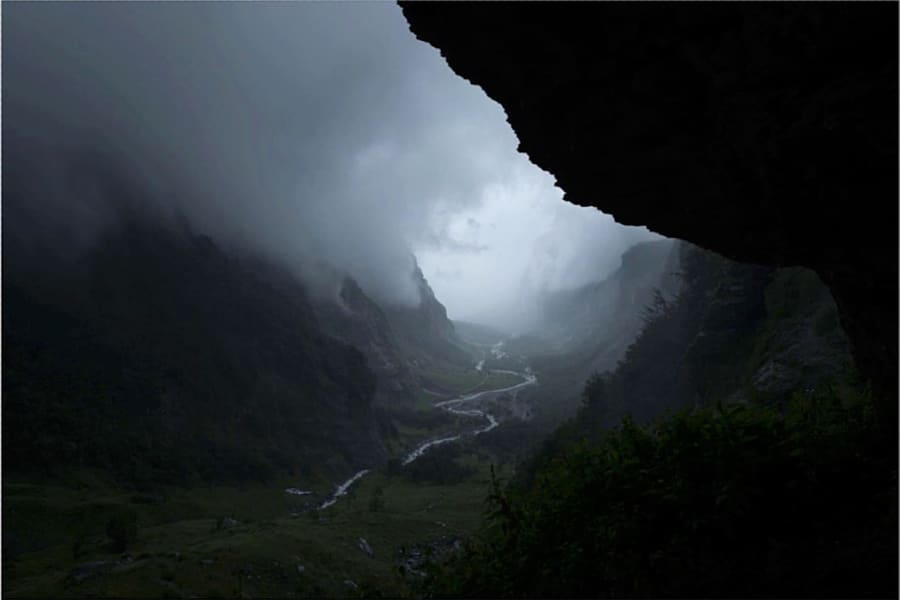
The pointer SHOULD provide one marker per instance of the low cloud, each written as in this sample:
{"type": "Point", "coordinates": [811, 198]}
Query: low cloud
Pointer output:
{"type": "Point", "coordinates": [307, 131]}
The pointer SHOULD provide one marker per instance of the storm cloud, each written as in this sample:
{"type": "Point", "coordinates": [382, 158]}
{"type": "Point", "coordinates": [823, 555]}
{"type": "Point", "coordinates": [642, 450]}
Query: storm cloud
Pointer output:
{"type": "Point", "coordinates": [307, 131]}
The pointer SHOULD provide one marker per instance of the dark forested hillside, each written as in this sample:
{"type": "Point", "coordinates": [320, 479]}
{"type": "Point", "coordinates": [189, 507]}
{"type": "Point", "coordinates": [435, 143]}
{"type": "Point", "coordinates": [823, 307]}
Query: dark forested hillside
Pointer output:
{"type": "Point", "coordinates": [733, 451]}
{"type": "Point", "coordinates": [607, 312]}
{"type": "Point", "coordinates": [588, 329]}
{"type": "Point", "coordinates": [351, 316]}
{"type": "Point", "coordinates": [735, 502]}
{"type": "Point", "coordinates": [736, 333]}
{"type": "Point", "coordinates": [159, 357]}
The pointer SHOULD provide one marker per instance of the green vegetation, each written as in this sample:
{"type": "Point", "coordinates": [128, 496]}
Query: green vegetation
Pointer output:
{"type": "Point", "coordinates": [709, 502]}
{"type": "Point", "coordinates": [495, 381]}
{"type": "Point", "coordinates": [215, 371]}
{"type": "Point", "coordinates": [120, 421]}
{"type": "Point", "coordinates": [736, 333]}
{"type": "Point", "coordinates": [409, 427]}
{"type": "Point", "coordinates": [452, 380]}
{"type": "Point", "coordinates": [788, 487]}
{"type": "Point", "coordinates": [440, 465]}
{"type": "Point", "coordinates": [183, 547]}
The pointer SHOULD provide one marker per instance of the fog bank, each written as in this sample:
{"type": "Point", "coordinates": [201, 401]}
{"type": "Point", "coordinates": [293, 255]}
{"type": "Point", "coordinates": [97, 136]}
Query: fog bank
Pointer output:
{"type": "Point", "coordinates": [307, 131]}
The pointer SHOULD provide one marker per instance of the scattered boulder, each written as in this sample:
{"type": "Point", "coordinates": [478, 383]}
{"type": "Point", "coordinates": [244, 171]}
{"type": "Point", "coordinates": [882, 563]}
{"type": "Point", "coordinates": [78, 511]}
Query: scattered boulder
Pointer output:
{"type": "Point", "coordinates": [364, 546]}
{"type": "Point", "coordinates": [89, 569]}
{"type": "Point", "coordinates": [412, 560]}
{"type": "Point", "coordinates": [775, 377]}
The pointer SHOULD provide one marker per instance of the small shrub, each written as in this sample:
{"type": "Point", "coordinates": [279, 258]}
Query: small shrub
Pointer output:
{"type": "Point", "coordinates": [122, 530]}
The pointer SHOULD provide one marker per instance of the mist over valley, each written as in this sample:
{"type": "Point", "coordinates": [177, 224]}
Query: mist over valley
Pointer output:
{"type": "Point", "coordinates": [289, 311]}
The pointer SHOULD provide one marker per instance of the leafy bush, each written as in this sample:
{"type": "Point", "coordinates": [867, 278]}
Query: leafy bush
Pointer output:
{"type": "Point", "coordinates": [708, 502]}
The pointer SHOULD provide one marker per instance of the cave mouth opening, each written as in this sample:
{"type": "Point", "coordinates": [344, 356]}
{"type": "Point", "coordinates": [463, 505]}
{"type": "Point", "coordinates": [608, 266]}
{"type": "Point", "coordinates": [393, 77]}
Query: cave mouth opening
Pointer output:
{"type": "Point", "coordinates": [767, 133]}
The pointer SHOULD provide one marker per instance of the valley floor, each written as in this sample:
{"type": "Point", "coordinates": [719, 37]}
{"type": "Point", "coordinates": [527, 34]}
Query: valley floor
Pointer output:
{"type": "Point", "coordinates": [226, 542]}
{"type": "Point", "coordinates": [261, 540]}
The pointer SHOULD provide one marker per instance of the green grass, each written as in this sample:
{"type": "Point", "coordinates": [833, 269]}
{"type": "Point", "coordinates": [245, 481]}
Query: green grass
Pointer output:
{"type": "Point", "coordinates": [425, 401]}
{"type": "Point", "coordinates": [497, 381]}
{"type": "Point", "coordinates": [52, 526]}
{"type": "Point", "coordinates": [451, 380]}
{"type": "Point", "coordinates": [180, 552]}
{"type": "Point", "coordinates": [423, 421]}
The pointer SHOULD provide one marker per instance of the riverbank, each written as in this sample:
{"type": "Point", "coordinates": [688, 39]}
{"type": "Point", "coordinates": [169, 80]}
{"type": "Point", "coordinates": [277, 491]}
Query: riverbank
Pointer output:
{"type": "Point", "coordinates": [452, 405]}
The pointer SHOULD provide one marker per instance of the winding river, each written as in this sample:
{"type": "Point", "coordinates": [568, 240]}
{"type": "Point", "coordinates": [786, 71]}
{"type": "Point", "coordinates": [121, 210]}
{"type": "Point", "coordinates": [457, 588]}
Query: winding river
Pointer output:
{"type": "Point", "coordinates": [453, 406]}
{"type": "Point", "coordinates": [461, 405]}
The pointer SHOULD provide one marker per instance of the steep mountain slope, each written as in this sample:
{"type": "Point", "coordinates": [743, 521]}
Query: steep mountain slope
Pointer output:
{"type": "Point", "coordinates": [159, 357]}
{"type": "Point", "coordinates": [353, 317]}
{"type": "Point", "coordinates": [608, 312]}
{"type": "Point", "coordinates": [736, 333]}
{"type": "Point", "coordinates": [424, 330]}
{"type": "Point", "coordinates": [408, 347]}
{"type": "Point", "coordinates": [589, 329]}
{"type": "Point", "coordinates": [477, 333]}
{"type": "Point", "coordinates": [731, 453]}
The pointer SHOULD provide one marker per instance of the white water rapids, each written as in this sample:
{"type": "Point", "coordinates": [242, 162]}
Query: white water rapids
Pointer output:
{"type": "Point", "coordinates": [342, 489]}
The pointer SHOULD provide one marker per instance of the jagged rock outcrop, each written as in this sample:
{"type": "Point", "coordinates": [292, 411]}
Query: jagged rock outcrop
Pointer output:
{"type": "Point", "coordinates": [429, 316]}
{"type": "Point", "coordinates": [353, 317]}
{"type": "Point", "coordinates": [607, 313]}
{"type": "Point", "coordinates": [424, 330]}
{"type": "Point", "coordinates": [766, 132]}
{"type": "Point", "coordinates": [736, 333]}
{"type": "Point", "coordinates": [401, 342]}
{"type": "Point", "coordinates": [589, 329]}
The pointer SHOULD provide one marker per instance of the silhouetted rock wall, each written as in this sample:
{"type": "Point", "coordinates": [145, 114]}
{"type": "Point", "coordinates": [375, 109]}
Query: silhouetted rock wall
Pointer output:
{"type": "Point", "coordinates": [765, 132]}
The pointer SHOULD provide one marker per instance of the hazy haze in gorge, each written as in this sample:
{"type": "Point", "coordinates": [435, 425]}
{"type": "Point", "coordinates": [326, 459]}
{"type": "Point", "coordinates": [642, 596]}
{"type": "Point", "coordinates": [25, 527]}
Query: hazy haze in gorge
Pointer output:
{"type": "Point", "coordinates": [307, 131]}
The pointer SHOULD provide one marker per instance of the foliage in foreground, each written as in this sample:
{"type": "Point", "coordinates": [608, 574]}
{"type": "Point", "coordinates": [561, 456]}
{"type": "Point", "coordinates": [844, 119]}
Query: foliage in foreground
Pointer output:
{"type": "Point", "coordinates": [708, 502]}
